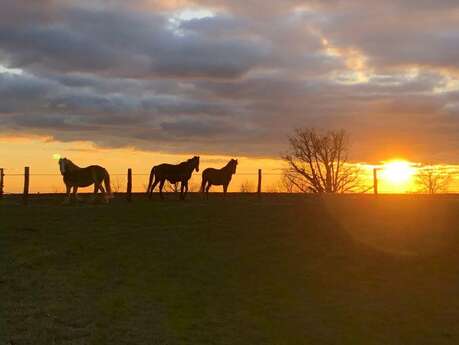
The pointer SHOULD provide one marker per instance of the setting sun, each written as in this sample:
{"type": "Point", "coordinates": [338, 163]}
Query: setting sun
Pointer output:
{"type": "Point", "coordinates": [397, 175]}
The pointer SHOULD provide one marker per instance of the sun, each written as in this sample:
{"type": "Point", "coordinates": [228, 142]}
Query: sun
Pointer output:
{"type": "Point", "coordinates": [398, 173]}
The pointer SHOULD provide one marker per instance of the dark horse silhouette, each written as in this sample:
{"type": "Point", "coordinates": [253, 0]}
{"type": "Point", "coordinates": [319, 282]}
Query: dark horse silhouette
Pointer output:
{"type": "Point", "coordinates": [75, 177]}
{"type": "Point", "coordinates": [173, 173]}
{"type": "Point", "coordinates": [218, 177]}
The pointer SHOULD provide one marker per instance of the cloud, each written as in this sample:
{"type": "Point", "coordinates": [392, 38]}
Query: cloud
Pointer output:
{"type": "Point", "coordinates": [123, 44]}
{"type": "Point", "coordinates": [188, 128]}
{"type": "Point", "coordinates": [398, 33]}
{"type": "Point", "coordinates": [233, 77]}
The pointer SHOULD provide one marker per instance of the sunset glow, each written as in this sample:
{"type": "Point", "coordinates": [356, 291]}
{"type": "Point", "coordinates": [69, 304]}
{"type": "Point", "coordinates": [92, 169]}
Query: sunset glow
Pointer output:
{"type": "Point", "coordinates": [397, 174]}
{"type": "Point", "coordinates": [242, 172]}
{"type": "Point", "coordinates": [129, 84]}
{"type": "Point", "coordinates": [41, 155]}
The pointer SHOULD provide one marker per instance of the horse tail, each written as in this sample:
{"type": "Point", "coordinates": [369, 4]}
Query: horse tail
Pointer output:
{"type": "Point", "coordinates": [108, 187]}
{"type": "Point", "coordinates": [150, 182]}
{"type": "Point", "coordinates": [204, 181]}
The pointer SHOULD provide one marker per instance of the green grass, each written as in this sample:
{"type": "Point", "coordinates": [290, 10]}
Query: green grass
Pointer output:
{"type": "Point", "coordinates": [280, 270]}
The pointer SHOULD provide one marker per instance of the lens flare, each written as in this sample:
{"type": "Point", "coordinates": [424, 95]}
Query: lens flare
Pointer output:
{"type": "Point", "coordinates": [56, 156]}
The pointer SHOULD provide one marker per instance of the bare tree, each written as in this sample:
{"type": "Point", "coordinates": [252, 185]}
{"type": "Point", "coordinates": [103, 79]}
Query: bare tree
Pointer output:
{"type": "Point", "coordinates": [292, 182]}
{"type": "Point", "coordinates": [433, 180]}
{"type": "Point", "coordinates": [318, 163]}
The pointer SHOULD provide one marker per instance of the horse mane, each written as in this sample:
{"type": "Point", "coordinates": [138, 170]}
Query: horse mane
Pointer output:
{"type": "Point", "coordinates": [70, 165]}
{"type": "Point", "coordinates": [230, 164]}
{"type": "Point", "coordinates": [189, 161]}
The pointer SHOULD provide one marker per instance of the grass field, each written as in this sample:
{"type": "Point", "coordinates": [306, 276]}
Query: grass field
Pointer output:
{"type": "Point", "coordinates": [280, 270]}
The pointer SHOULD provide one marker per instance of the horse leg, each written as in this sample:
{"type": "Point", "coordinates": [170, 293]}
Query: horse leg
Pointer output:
{"type": "Point", "coordinates": [185, 184]}
{"type": "Point", "coordinates": [203, 185]}
{"type": "Point", "coordinates": [97, 186]}
{"type": "Point", "coordinates": [225, 188]}
{"type": "Point", "coordinates": [182, 186]}
{"type": "Point", "coordinates": [207, 190]}
{"type": "Point", "coordinates": [104, 193]}
{"type": "Point", "coordinates": [152, 188]}
{"type": "Point", "coordinates": [75, 195]}
{"type": "Point", "coordinates": [67, 200]}
{"type": "Point", "coordinates": [161, 185]}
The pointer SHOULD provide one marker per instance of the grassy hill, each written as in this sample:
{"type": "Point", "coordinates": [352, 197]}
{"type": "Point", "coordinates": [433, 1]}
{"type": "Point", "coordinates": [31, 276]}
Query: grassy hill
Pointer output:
{"type": "Point", "coordinates": [280, 270]}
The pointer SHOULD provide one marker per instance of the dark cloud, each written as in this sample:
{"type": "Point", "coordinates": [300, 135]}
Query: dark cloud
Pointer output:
{"type": "Point", "coordinates": [145, 74]}
{"type": "Point", "coordinates": [124, 44]}
{"type": "Point", "coordinates": [397, 33]}
{"type": "Point", "coordinates": [206, 128]}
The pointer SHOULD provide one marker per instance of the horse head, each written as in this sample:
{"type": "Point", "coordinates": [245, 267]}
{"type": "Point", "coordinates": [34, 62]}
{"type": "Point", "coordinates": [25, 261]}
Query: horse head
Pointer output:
{"type": "Point", "coordinates": [66, 165]}
{"type": "Point", "coordinates": [63, 165]}
{"type": "Point", "coordinates": [233, 166]}
{"type": "Point", "coordinates": [195, 163]}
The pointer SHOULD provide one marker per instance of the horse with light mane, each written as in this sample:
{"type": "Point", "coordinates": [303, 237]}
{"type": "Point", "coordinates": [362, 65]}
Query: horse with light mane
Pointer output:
{"type": "Point", "coordinates": [218, 177]}
{"type": "Point", "coordinates": [75, 177]}
{"type": "Point", "coordinates": [173, 173]}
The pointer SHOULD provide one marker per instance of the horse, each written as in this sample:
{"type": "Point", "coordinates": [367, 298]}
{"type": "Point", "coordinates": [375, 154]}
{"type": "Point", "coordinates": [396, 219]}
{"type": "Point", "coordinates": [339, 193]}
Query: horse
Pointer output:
{"type": "Point", "coordinates": [173, 173]}
{"type": "Point", "coordinates": [75, 177]}
{"type": "Point", "coordinates": [218, 177]}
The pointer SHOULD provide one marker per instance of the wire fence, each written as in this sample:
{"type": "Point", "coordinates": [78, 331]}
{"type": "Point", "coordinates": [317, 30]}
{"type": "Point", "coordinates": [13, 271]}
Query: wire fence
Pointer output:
{"type": "Point", "coordinates": [13, 183]}
{"type": "Point", "coordinates": [272, 182]}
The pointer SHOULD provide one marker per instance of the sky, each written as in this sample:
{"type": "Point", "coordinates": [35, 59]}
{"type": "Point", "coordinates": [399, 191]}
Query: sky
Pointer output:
{"type": "Point", "coordinates": [226, 78]}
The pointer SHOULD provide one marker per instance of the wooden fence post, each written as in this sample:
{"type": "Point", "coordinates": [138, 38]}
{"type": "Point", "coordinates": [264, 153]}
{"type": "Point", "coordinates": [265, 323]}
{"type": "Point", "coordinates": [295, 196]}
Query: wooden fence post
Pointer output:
{"type": "Point", "coordinates": [129, 185]}
{"type": "Point", "coordinates": [2, 177]}
{"type": "Point", "coordinates": [25, 196]}
{"type": "Point", "coordinates": [259, 183]}
{"type": "Point", "coordinates": [375, 180]}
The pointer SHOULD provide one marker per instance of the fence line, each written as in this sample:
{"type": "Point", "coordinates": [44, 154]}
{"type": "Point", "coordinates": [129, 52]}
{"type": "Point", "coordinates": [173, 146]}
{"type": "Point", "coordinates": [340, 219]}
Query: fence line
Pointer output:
{"type": "Point", "coordinates": [126, 184]}
{"type": "Point", "coordinates": [118, 186]}
{"type": "Point", "coordinates": [146, 174]}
